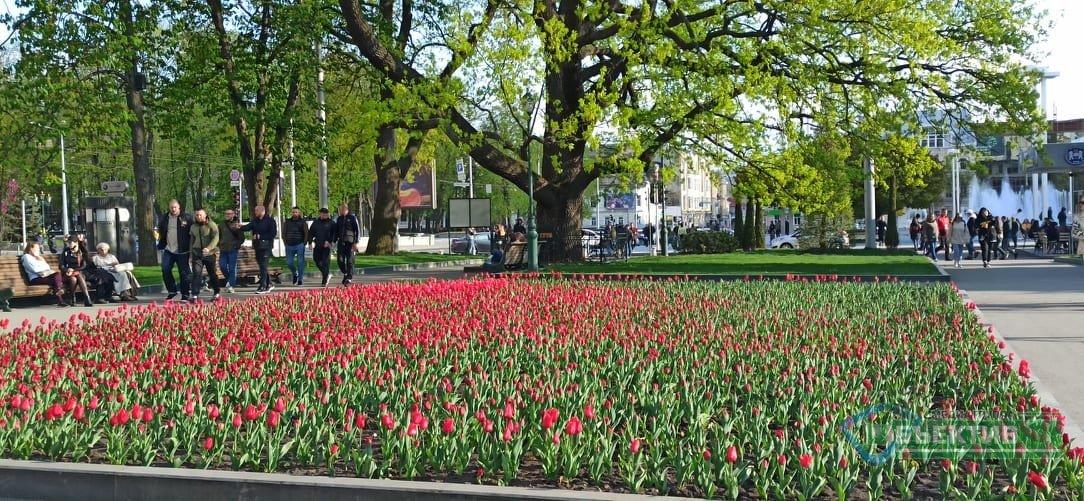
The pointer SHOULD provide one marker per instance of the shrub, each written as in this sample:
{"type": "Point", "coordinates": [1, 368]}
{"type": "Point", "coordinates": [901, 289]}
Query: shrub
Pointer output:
{"type": "Point", "coordinates": [708, 242]}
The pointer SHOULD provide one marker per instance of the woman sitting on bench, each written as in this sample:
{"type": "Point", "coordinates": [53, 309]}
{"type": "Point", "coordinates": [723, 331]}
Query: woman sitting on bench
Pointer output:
{"type": "Point", "coordinates": [39, 273]}
{"type": "Point", "coordinates": [72, 263]}
{"type": "Point", "coordinates": [124, 282]}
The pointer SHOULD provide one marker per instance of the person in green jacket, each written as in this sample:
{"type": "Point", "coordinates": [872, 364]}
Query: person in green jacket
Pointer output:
{"type": "Point", "coordinates": [204, 247]}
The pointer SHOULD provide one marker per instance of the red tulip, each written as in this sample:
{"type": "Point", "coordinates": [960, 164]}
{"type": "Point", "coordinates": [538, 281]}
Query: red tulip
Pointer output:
{"type": "Point", "coordinates": [805, 461]}
{"type": "Point", "coordinates": [549, 418]}
{"type": "Point", "coordinates": [273, 419]}
{"type": "Point", "coordinates": [509, 410]}
{"type": "Point", "coordinates": [387, 421]}
{"type": "Point", "coordinates": [1025, 369]}
{"type": "Point", "coordinates": [707, 454]}
{"type": "Point", "coordinates": [1037, 479]}
{"type": "Point", "coordinates": [447, 426]}
{"type": "Point", "coordinates": [212, 411]}
{"type": "Point", "coordinates": [732, 454]}
{"type": "Point", "coordinates": [251, 413]}
{"type": "Point", "coordinates": [634, 446]}
{"type": "Point", "coordinates": [334, 449]}
{"type": "Point", "coordinates": [237, 421]}
{"type": "Point", "coordinates": [589, 411]}
{"type": "Point", "coordinates": [843, 462]}
{"type": "Point", "coordinates": [208, 443]}
{"type": "Point", "coordinates": [148, 415]}
{"type": "Point", "coordinates": [574, 426]}
{"type": "Point", "coordinates": [359, 421]}
{"type": "Point", "coordinates": [280, 406]}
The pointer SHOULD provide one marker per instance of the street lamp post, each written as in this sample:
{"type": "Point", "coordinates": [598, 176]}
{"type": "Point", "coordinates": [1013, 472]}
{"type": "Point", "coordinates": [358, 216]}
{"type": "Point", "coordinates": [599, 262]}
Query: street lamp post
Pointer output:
{"type": "Point", "coordinates": [63, 178]}
{"type": "Point", "coordinates": [650, 175]}
{"type": "Point", "coordinates": [532, 226]}
{"type": "Point", "coordinates": [662, 210]}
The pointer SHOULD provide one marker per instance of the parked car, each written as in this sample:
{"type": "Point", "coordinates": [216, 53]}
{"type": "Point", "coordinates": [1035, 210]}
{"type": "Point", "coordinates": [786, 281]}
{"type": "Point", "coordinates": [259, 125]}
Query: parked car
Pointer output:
{"type": "Point", "coordinates": [786, 241]}
{"type": "Point", "coordinates": [839, 241]}
{"type": "Point", "coordinates": [482, 244]}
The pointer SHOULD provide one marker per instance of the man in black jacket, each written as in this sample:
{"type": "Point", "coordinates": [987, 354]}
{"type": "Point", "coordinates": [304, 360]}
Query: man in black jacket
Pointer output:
{"type": "Point", "coordinates": [174, 240]}
{"type": "Point", "coordinates": [295, 233]}
{"type": "Point", "coordinates": [321, 238]}
{"type": "Point", "coordinates": [264, 232]}
{"type": "Point", "coordinates": [347, 232]}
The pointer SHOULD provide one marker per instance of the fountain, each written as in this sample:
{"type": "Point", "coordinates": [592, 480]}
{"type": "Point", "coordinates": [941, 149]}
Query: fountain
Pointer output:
{"type": "Point", "coordinates": [1005, 202]}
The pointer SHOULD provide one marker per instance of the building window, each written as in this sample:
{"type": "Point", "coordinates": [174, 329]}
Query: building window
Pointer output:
{"type": "Point", "coordinates": [935, 138]}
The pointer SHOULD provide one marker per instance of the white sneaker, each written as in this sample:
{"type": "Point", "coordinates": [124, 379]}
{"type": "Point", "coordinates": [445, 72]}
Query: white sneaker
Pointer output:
{"type": "Point", "coordinates": [229, 289]}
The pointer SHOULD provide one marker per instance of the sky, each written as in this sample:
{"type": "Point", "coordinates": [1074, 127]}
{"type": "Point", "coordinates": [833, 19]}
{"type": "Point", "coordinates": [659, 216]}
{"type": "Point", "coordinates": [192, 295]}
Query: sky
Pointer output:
{"type": "Point", "coordinates": [1063, 50]}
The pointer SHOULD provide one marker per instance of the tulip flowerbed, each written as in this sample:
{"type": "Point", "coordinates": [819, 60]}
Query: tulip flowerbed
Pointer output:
{"type": "Point", "coordinates": [679, 387]}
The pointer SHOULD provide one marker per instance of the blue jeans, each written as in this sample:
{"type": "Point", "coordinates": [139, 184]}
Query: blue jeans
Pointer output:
{"type": "Point", "coordinates": [931, 248]}
{"type": "Point", "coordinates": [957, 251]}
{"type": "Point", "coordinates": [184, 267]}
{"type": "Point", "coordinates": [227, 262]}
{"type": "Point", "coordinates": [295, 260]}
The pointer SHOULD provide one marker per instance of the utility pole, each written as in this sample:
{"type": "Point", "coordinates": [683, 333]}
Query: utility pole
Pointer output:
{"type": "Point", "coordinates": [321, 116]}
{"type": "Point", "coordinates": [871, 223]}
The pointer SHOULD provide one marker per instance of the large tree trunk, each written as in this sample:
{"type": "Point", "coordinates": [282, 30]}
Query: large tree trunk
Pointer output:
{"type": "Point", "coordinates": [892, 233]}
{"type": "Point", "coordinates": [559, 216]}
{"type": "Point", "coordinates": [141, 163]}
{"type": "Point", "coordinates": [383, 238]}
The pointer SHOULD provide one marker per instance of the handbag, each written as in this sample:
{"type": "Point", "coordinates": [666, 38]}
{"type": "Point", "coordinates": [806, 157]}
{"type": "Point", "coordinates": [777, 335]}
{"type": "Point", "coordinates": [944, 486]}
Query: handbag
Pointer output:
{"type": "Point", "coordinates": [261, 245]}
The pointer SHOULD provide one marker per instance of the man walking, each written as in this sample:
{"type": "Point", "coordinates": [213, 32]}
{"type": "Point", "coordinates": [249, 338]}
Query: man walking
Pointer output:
{"type": "Point", "coordinates": [295, 233]}
{"type": "Point", "coordinates": [264, 232]}
{"type": "Point", "coordinates": [204, 244]}
{"type": "Point", "coordinates": [347, 231]}
{"type": "Point", "coordinates": [174, 241]}
{"type": "Point", "coordinates": [230, 238]}
{"type": "Point", "coordinates": [321, 237]}
{"type": "Point", "coordinates": [519, 227]}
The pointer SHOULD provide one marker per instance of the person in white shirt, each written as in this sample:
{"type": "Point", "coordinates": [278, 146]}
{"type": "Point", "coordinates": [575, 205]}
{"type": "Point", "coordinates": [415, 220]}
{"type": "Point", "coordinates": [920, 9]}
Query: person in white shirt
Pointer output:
{"type": "Point", "coordinates": [125, 282]}
{"type": "Point", "coordinates": [40, 273]}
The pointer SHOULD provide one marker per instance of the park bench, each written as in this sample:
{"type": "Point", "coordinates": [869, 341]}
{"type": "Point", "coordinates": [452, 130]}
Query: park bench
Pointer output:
{"type": "Point", "coordinates": [514, 259]}
{"type": "Point", "coordinates": [14, 282]}
{"type": "Point", "coordinates": [248, 269]}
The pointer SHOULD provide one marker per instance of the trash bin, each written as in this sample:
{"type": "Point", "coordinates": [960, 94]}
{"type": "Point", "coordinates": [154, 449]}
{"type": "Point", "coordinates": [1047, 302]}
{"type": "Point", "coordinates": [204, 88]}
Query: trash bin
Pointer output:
{"type": "Point", "coordinates": [109, 220]}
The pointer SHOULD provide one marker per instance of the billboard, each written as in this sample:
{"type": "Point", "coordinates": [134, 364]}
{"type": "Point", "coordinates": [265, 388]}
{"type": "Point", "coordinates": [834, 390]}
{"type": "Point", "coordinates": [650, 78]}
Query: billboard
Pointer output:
{"type": "Point", "coordinates": [418, 188]}
{"type": "Point", "coordinates": [469, 212]}
{"type": "Point", "coordinates": [991, 146]}
{"type": "Point", "coordinates": [619, 201]}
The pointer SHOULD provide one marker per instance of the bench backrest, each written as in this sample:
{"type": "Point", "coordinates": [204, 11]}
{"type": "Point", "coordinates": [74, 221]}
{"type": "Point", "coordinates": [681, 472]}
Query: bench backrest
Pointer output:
{"type": "Point", "coordinates": [13, 276]}
{"type": "Point", "coordinates": [517, 254]}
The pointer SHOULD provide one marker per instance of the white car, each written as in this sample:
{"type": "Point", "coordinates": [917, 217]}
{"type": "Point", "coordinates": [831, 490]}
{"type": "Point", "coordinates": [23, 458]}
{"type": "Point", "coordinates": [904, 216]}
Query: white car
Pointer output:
{"type": "Point", "coordinates": [785, 241]}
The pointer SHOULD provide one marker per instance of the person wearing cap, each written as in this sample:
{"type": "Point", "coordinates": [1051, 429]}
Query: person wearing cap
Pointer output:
{"type": "Point", "coordinates": [971, 232]}
{"type": "Point", "coordinates": [322, 239]}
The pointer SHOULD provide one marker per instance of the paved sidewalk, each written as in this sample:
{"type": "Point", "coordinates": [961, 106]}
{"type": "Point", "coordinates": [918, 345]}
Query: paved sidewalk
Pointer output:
{"type": "Point", "coordinates": [1037, 306]}
{"type": "Point", "coordinates": [44, 307]}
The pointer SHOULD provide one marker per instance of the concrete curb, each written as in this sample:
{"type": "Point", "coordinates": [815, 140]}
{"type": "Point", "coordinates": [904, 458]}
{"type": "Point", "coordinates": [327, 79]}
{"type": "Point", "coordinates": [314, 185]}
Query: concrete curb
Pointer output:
{"type": "Point", "coordinates": [1045, 395]}
{"type": "Point", "coordinates": [47, 481]}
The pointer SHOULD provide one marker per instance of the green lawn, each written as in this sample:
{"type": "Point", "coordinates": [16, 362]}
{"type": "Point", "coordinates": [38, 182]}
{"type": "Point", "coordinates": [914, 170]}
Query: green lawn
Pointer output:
{"type": "Point", "coordinates": [148, 275]}
{"type": "Point", "coordinates": [775, 262]}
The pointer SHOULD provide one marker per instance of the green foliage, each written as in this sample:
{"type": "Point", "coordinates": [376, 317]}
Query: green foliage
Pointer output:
{"type": "Point", "coordinates": [707, 242]}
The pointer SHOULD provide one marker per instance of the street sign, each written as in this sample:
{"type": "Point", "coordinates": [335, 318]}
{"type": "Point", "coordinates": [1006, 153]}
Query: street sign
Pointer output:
{"type": "Point", "coordinates": [235, 177]}
{"type": "Point", "coordinates": [461, 184]}
{"type": "Point", "coordinates": [489, 189]}
{"type": "Point", "coordinates": [114, 186]}
{"type": "Point", "coordinates": [460, 170]}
